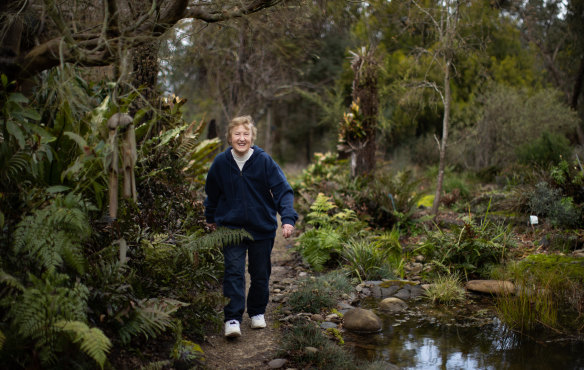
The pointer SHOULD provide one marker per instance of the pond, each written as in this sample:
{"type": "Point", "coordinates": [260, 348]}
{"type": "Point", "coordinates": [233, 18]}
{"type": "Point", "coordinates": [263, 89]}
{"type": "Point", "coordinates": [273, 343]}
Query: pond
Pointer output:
{"type": "Point", "coordinates": [464, 337]}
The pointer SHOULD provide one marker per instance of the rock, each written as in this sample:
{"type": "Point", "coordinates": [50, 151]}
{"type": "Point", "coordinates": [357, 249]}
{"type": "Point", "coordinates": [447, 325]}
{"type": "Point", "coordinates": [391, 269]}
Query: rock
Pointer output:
{"type": "Point", "coordinates": [419, 258]}
{"type": "Point", "coordinates": [344, 306]}
{"type": "Point", "coordinates": [277, 363]}
{"type": "Point", "coordinates": [328, 325]}
{"type": "Point", "coordinates": [361, 320]}
{"type": "Point", "coordinates": [417, 291]}
{"type": "Point", "coordinates": [388, 292]}
{"type": "Point", "coordinates": [317, 317]}
{"type": "Point", "coordinates": [310, 350]}
{"type": "Point", "coordinates": [277, 290]}
{"type": "Point", "coordinates": [414, 268]}
{"type": "Point", "coordinates": [403, 293]}
{"type": "Point", "coordinates": [393, 304]}
{"type": "Point", "coordinates": [278, 298]}
{"type": "Point", "coordinates": [495, 287]}
{"type": "Point", "coordinates": [302, 274]}
{"type": "Point", "coordinates": [332, 317]}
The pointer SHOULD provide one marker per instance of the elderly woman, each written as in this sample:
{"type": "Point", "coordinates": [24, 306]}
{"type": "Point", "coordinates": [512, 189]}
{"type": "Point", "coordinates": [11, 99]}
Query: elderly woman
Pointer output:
{"type": "Point", "coordinates": [245, 188]}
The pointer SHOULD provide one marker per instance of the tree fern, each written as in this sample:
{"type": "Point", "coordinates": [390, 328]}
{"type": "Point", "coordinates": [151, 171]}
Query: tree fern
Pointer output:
{"type": "Point", "coordinates": [92, 341]}
{"type": "Point", "coordinates": [319, 210]}
{"type": "Point", "coordinates": [51, 237]}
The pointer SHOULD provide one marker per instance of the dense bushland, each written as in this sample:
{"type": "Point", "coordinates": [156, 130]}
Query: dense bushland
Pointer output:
{"type": "Point", "coordinates": [78, 287]}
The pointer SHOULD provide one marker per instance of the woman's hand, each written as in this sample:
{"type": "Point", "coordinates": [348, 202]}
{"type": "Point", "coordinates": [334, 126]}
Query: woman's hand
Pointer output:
{"type": "Point", "coordinates": [287, 230]}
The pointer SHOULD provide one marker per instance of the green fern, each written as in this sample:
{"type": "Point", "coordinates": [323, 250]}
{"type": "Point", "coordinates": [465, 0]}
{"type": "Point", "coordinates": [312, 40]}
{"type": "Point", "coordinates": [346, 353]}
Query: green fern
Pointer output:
{"type": "Point", "coordinates": [51, 237]}
{"type": "Point", "coordinates": [319, 210]}
{"type": "Point", "coordinates": [49, 299]}
{"type": "Point", "coordinates": [221, 237]}
{"type": "Point", "coordinates": [92, 341]}
{"type": "Point", "coordinates": [149, 318]}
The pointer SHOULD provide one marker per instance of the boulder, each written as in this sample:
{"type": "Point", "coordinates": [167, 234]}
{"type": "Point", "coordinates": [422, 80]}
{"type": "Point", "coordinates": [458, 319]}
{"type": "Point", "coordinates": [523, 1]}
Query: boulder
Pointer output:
{"type": "Point", "coordinates": [361, 320]}
{"type": "Point", "coordinates": [495, 287]}
{"type": "Point", "coordinates": [277, 363]}
{"type": "Point", "coordinates": [393, 304]}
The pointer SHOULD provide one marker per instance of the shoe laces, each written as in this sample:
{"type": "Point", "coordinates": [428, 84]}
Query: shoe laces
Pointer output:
{"type": "Point", "coordinates": [233, 322]}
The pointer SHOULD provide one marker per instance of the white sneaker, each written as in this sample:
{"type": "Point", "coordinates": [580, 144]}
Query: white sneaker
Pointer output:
{"type": "Point", "coordinates": [258, 322]}
{"type": "Point", "coordinates": [232, 329]}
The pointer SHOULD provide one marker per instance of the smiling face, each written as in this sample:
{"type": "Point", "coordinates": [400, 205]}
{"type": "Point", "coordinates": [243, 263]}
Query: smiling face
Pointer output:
{"type": "Point", "coordinates": [241, 139]}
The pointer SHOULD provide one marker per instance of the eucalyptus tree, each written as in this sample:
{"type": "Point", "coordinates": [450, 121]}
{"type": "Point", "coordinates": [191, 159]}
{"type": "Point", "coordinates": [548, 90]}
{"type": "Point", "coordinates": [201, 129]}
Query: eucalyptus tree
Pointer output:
{"type": "Point", "coordinates": [556, 30]}
{"type": "Point", "coordinates": [262, 65]}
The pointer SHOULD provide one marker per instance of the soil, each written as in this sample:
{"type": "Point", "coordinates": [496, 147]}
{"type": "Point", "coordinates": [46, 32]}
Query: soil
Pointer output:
{"type": "Point", "coordinates": [256, 347]}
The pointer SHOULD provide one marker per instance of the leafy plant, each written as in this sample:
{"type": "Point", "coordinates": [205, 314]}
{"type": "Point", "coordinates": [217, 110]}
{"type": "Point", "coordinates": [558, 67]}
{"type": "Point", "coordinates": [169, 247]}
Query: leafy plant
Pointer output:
{"type": "Point", "coordinates": [366, 260]}
{"type": "Point", "coordinates": [468, 248]}
{"type": "Point", "coordinates": [328, 356]}
{"type": "Point", "coordinates": [317, 293]}
{"type": "Point", "coordinates": [546, 201]}
{"type": "Point", "coordinates": [324, 241]}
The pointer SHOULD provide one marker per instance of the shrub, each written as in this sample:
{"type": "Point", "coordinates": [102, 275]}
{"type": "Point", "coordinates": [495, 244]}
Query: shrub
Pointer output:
{"type": "Point", "coordinates": [468, 248]}
{"type": "Point", "coordinates": [546, 201]}
{"type": "Point", "coordinates": [323, 242]}
{"type": "Point", "coordinates": [328, 356]}
{"type": "Point", "coordinates": [373, 258]}
{"type": "Point", "coordinates": [549, 148]}
{"type": "Point", "coordinates": [317, 293]}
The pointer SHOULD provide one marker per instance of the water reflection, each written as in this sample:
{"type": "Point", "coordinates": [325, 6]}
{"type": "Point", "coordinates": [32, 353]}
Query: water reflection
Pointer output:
{"type": "Point", "coordinates": [459, 338]}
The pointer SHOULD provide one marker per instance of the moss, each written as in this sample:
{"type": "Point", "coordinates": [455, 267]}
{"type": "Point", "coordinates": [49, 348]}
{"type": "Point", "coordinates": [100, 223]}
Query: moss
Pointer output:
{"type": "Point", "coordinates": [390, 283]}
{"type": "Point", "coordinates": [426, 201]}
{"type": "Point", "coordinates": [571, 267]}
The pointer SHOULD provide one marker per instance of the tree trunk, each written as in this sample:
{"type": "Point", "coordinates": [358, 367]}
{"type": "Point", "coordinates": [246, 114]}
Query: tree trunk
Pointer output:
{"type": "Point", "coordinates": [365, 92]}
{"type": "Point", "coordinates": [442, 146]}
{"type": "Point", "coordinates": [269, 125]}
{"type": "Point", "coordinates": [575, 97]}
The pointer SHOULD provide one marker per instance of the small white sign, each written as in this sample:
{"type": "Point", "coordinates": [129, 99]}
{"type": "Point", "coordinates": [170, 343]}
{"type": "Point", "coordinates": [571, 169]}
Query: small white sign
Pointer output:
{"type": "Point", "coordinates": [533, 220]}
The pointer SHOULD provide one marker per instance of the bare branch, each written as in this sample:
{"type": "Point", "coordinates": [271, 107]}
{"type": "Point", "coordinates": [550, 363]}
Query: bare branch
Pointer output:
{"type": "Point", "coordinates": [210, 15]}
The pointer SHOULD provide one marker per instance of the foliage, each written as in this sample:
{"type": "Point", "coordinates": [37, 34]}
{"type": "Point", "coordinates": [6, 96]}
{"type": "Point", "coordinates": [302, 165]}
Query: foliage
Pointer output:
{"type": "Point", "coordinates": [48, 315]}
{"type": "Point", "coordinates": [514, 118]}
{"type": "Point", "coordinates": [547, 149]}
{"type": "Point", "coordinates": [328, 356]}
{"type": "Point", "coordinates": [317, 293]}
{"type": "Point", "coordinates": [446, 289]}
{"type": "Point", "coordinates": [52, 237]}
{"type": "Point", "coordinates": [546, 201]}
{"type": "Point", "coordinates": [323, 242]}
{"type": "Point", "coordinates": [548, 294]}
{"type": "Point", "coordinates": [468, 248]}
{"type": "Point", "coordinates": [373, 258]}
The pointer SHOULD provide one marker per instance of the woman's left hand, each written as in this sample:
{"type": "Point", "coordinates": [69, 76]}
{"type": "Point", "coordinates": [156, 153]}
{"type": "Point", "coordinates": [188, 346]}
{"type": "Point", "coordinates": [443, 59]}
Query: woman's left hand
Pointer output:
{"type": "Point", "coordinates": [287, 230]}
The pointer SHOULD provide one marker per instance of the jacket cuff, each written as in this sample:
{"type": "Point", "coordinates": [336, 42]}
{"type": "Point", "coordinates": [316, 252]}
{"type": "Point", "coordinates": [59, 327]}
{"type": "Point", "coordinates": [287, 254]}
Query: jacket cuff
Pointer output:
{"type": "Point", "coordinates": [289, 221]}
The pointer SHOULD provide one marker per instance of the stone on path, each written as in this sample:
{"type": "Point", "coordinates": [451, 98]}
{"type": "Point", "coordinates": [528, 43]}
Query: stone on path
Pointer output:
{"type": "Point", "coordinates": [392, 304]}
{"type": "Point", "coordinates": [361, 320]}
{"type": "Point", "coordinates": [328, 325]}
{"type": "Point", "coordinates": [496, 287]}
{"type": "Point", "coordinates": [310, 350]}
{"type": "Point", "coordinates": [277, 363]}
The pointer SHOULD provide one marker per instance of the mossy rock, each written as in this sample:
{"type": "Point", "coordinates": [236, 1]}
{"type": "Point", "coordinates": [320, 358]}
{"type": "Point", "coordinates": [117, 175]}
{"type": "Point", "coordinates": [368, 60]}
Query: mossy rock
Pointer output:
{"type": "Point", "coordinates": [390, 283]}
{"type": "Point", "coordinates": [570, 267]}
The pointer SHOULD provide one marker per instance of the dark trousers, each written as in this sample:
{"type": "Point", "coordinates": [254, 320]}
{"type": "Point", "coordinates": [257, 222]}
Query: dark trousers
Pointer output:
{"type": "Point", "coordinates": [259, 268]}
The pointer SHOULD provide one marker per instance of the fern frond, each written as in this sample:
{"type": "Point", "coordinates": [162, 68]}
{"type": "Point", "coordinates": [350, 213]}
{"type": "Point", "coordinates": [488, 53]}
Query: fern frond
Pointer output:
{"type": "Point", "coordinates": [92, 341]}
{"type": "Point", "coordinates": [11, 282]}
{"type": "Point", "coordinates": [150, 318]}
{"type": "Point", "coordinates": [52, 236]}
{"type": "Point", "coordinates": [219, 238]}
{"type": "Point", "coordinates": [13, 165]}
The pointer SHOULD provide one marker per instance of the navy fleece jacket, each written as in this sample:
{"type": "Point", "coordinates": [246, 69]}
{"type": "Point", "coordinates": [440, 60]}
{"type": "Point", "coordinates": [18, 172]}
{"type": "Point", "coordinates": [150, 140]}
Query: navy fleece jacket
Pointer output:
{"type": "Point", "coordinates": [249, 198]}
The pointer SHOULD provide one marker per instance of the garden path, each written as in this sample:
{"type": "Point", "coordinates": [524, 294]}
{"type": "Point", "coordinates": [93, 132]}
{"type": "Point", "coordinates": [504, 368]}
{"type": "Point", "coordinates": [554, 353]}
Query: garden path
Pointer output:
{"type": "Point", "coordinates": [255, 348]}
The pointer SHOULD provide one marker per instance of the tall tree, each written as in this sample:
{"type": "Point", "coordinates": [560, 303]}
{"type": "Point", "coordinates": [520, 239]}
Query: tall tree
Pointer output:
{"type": "Point", "coordinates": [362, 146]}
{"type": "Point", "coordinates": [92, 33]}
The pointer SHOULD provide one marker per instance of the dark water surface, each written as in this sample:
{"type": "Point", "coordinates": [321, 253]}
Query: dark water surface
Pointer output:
{"type": "Point", "coordinates": [466, 337]}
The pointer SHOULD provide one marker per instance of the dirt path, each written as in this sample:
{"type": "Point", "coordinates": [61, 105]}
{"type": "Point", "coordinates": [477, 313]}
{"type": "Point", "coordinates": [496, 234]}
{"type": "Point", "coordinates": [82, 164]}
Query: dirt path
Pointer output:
{"type": "Point", "coordinates": [255, 348]}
